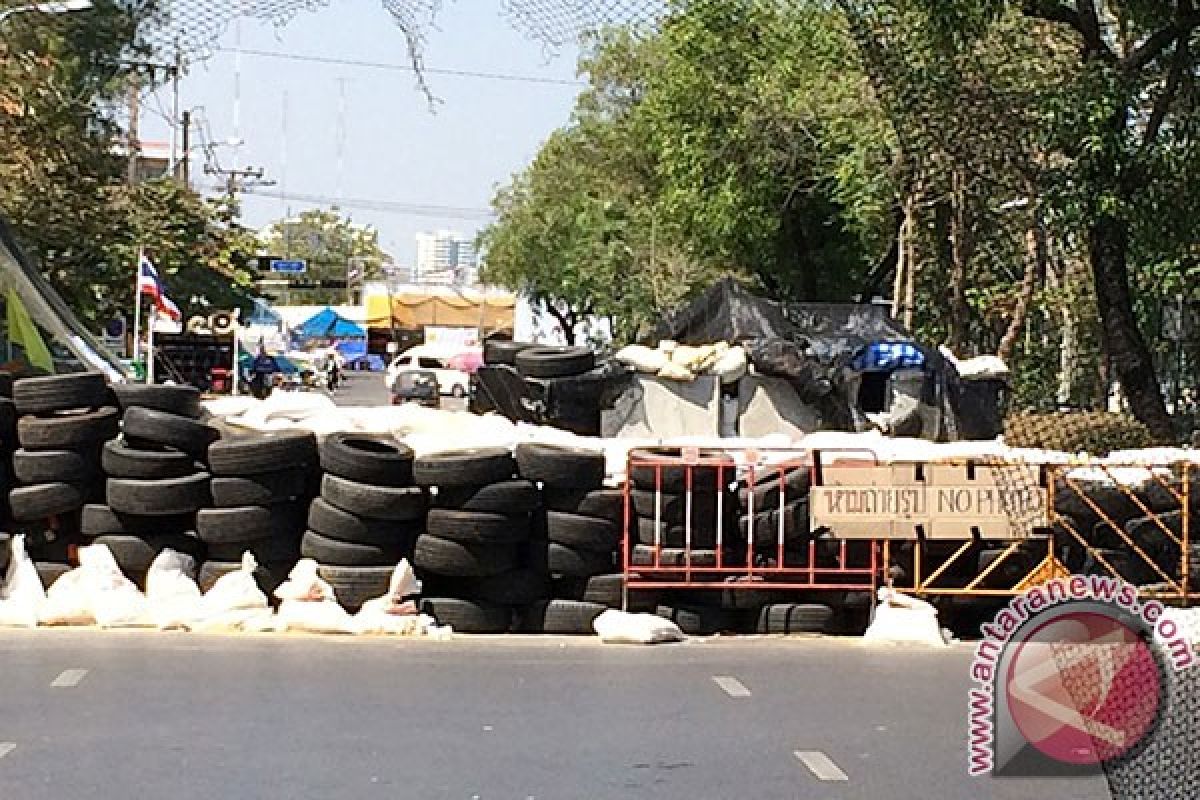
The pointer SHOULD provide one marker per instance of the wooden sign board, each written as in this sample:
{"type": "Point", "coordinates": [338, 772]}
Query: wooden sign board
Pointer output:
{"type": "Point", "coordinates": [1001, 501]}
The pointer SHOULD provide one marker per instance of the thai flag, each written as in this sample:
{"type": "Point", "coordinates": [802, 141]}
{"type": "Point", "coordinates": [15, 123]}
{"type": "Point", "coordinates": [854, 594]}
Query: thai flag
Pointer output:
{"type": "Point", "coordinates": [149, 283]}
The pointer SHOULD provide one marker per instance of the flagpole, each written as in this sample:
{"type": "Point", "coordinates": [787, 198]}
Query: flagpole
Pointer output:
{"type": "Point", "coordinates": [150, 344]}
{"type": "Point", "coordinates": [137, 306]}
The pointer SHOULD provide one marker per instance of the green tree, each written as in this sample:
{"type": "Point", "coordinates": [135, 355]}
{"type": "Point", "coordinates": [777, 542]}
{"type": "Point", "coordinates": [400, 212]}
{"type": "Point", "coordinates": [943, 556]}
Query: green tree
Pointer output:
{"type": "Point", "coordinates": [330, 244]}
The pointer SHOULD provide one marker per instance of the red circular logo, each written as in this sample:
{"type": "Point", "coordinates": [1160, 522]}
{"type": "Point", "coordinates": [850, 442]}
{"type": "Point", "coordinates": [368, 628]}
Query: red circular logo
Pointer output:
{"type": "Point", "coordinates": [1083, 688]}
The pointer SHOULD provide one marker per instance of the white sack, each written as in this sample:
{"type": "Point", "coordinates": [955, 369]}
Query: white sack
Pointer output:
{"type": "Point", "coordinates": [621, 627]}
{"type": "Point", "coordinates": [731, 365]}
{"type": "Point", "coordinates": [22, 594]}
{"type": "Point", "coordinates": [900, 618]}
{"type": "Point", "coordinates": [676, 372]}
{"type": "Point", "coordinates": [235, 602]}
{"type": "Point", "coordinates": [95, 592]}
{"type": "Point", "coordinates": [394, 613]}
{"type": "Point", "coordinates": [174, 598]}
{"type": "Point", "coordinates": [309, 603]}
{"type": "Point", "coordinates": [642, 358]}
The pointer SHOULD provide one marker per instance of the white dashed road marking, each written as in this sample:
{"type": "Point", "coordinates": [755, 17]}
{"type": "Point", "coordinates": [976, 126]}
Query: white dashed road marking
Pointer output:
{"type": "Point", "coordinates": [69, 678]}
{"type": "Point", "coordinates": [821, 765]}
{"type": "Point", "coordinates": [731, 686]}
{"type": "Point", "coordinates": [6, 748]}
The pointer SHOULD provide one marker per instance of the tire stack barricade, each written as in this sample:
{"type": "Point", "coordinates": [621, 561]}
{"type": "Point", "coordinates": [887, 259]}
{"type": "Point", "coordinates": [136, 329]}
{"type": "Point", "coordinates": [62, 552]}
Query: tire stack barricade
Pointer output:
{"type": "Point", "coordinates": [156, 478]}
{"type": "Point", "coordinates": [8, 445]}
{"type": "Point", "coordinates": [477, 559]}
{"type": "Point", "coordinates": [260, 500]}
{"type": "Point", "coordinates": [580, 538]}
{"type": "Point", "coordinates": [62, 423]}
{"type": "Point", "coordinates": [368, 515]}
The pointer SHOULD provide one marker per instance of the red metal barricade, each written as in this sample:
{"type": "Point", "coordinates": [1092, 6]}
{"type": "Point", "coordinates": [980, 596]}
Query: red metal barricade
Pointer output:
{"type": "Point", "coordinates": [732, 519]}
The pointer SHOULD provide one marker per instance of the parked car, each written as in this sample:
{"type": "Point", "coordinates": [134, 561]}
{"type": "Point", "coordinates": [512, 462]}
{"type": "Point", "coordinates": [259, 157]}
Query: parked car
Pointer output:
{"type": "Point", "coordinates": [451, 381]}
{"type": "Point", "coordinates": [416, 386]}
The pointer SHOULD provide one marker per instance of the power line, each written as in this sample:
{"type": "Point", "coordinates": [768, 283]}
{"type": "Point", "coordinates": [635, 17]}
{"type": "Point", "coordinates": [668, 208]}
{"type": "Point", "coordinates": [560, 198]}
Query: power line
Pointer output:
{"type": "Point", "coordinates": [455, 73]}
{"type": "Point", "coordinates": [385, 206]}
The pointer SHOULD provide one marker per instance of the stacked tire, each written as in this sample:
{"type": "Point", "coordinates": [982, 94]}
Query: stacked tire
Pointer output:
{"type": "Point", "coordinates": [552, 362]}
{"type": "Point", "coordinates": [157, 479]}
{"type": "Point", "coordinates": [260, 492]}
{"type": "Point", "coordinates": [479, 557]}
{"type": "Point", "coordinates": [368, 515]}
{"type": "Point", "coordinates": [8, 445]}
{"type": "Point", "coordinates": [583, 525]}
{"type": "Point", "coordinates": [62, 423]}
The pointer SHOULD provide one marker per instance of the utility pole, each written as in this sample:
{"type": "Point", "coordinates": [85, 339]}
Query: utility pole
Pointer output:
{"type": "Point", "coordinates": [134, 144]}
{"type": "Point", "coordinates": [175, 69]}
{"type": "Point", "coordinates": [187, 149]}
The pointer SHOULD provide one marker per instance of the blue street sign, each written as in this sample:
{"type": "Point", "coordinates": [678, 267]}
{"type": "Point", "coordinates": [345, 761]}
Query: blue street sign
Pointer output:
{"type": "Point", "coordinates": [290, 267]}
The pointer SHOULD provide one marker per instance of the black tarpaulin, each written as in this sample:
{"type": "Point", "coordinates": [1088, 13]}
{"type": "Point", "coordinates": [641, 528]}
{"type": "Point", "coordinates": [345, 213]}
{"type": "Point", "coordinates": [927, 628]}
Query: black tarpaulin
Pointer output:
{"type": "Point", "coordinates": [729, 312]}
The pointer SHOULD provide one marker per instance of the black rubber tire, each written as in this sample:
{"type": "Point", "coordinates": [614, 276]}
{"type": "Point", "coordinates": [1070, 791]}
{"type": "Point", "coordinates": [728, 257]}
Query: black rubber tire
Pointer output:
{"type": "Point", "coordinates": [261, 453]}
{"type": "Point", "coordinates": [347, 554]}
{"type": "Point", "coordinates": [68, 431]}
{"type": "Point", "coordinates": [467, 617]}
{"type": "Point", "coordinates": [697, 621]}
{"type": "Point", "coordinates": [5, 551]}
{"type": "Point", "coordinates": [766, 525]}
{"type": "Point", "coordinates": [181, 400]}
{"type": "Point", "coordinates": [606, 590]}
{"type": "Point", "coordinates": [265, 489]}
{"type": "Point", "coordinates": [606, 504]}
{"type": "Point", "coordinates": [119, 460]}
{"type": "Point", "coordinates": [44, 500]}
{"type": "Point", "coordinates": [268, 550]}
{"type": "Point", "coordinates": [8, 422]}
{"type": "Point", "coordinates": [168, 496]}
{"type": "Point", "coordinates": [50, 571]}
{"type": "Point", "coordinates": [673, 507]}
{"type": "Point", "coordinates": [169, 430]}
{"type": "Point", "coordinates": [643, 556]}
{"type": "Point", "coordinates": [267, 576]}
{"type": "Point", "coordinates": [582, 533]}
{"type": "Point", "coordinates": [518, 587]}
{"type": "Point", "coordinates": [554, 362]}
{"type": "Point", "coordinates": [353, 586]}
{"type": "Point", "coordinates": [6, 384]}
{"type": "Point", "coordinates": [674, 470]}
{"type": "Point", "coordinates": [560, 467]}
{"type": "Point", "coordinates": [477, 527]}
{"type": "Point", "coordinates": [474, 467]}
{"type": "Point", "coordinates": [560, 617]}
{"type": "Point", "coordinates": [51, 393]}
{"type": "Point", "coordinates": [797, 483]}
{"type": "Point", "coordinates": [334, 523]}
{"type": "Point", "coordinates": [398, 504]}
{"type": "Point", "coordinates": [506, 497]}
{"type": "Point", "coordinates": [217, 526]}
{"type": "Point", "coordinates": [457, 560]}
{"type": "Point", "coordinates": [675, 536]}
{"type": "Point", "coordinates": [794, 618]}
{"type": "Point", "coordinates": [367, 458]}
{"type": "Point", "coordinates": [135, 554]}
{"type": "Point", "coordinates": [562, 560]}
{"type": "Point", "coordinates": [503, 351]}
{"type": "Point", "coordinates": [98, 520]}
{"type": "Point", "coordinates": [55, 466]}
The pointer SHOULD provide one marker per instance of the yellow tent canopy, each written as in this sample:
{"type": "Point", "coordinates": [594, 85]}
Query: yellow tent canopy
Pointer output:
{"type": "Point", "coordinates": [415, 311]}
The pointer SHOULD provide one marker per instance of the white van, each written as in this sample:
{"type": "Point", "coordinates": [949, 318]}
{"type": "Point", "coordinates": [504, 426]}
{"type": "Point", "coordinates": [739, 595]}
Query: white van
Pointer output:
{"type": "Point", "coordinates": [451, 381]}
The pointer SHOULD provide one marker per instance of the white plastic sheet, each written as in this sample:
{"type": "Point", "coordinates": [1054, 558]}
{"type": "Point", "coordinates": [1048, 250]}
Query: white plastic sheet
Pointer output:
{"type": "Point", "coordinates": [21, 594]}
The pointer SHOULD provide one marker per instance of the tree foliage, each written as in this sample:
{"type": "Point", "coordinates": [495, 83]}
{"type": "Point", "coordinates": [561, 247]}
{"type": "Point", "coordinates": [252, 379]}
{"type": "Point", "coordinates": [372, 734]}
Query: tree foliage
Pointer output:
{"type": "Point", "coordinates": [330, 244]}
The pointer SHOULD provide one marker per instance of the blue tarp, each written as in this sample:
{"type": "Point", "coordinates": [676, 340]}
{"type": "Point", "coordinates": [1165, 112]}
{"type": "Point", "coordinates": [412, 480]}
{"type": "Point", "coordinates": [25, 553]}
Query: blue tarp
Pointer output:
{"type": "Point", "coordinates": [329, 324]}
{"type": "Point", "coordinates": [888, 356]}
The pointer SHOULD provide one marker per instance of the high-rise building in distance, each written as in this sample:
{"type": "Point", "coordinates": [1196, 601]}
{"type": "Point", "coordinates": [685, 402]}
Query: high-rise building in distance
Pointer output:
{"type": "Point", "coordinates": [446, 255]}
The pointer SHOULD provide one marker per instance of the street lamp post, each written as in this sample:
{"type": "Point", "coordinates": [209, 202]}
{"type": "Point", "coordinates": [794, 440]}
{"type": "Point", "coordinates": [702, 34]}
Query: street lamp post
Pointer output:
{"type": "Point", "coordinates": [63, 7]}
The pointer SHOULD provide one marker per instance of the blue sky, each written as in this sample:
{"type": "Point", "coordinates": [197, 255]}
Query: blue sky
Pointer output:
{"type": "Point", "coordinates": [396, 150]}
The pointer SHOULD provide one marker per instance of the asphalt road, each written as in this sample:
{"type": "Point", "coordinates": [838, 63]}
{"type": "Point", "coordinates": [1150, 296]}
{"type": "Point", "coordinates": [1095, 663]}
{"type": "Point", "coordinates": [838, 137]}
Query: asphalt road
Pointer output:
{"type": "Point", "coordinates": [165, 715]}
{"type": "Point", "coordinates": [367, 389]}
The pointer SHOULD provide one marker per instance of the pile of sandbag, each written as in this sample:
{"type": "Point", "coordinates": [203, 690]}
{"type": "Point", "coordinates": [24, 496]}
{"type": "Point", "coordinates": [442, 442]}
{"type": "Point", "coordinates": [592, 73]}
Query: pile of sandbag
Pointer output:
{"type": "Point", "coordinates": [680, 362]}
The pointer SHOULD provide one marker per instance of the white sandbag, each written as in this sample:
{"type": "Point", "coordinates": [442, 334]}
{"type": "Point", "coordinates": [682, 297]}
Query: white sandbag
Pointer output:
{"type": "Point", "coordinates": [395, 613]}
{"type": "Point", "coordinates": [235, 602]}
{"type": "Point", "coordinates": [731, 365]}
{"type": "Point", "coordinates": [309, 603]}
{"type": "Point", "coordinates": [903, 619]}
{"type": "Point", "coordinates": [22, 594]}
{"type": "Point", "coordinates": [174, 598]}
{"type": "Point", "coordinates": [116, 600]}
{"type": "Point", "coordinates": [642, 358]}
{"type": "Point", "coordinates": [622, 627]}
{"type": "Point", "coordinates": [675, 372]}
{"type": "Point", "coordinates": [696, 359]}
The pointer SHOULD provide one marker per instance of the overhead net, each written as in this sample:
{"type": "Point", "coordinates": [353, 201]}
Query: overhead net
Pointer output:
{"type": "Point", "coordinates": [192, 28]}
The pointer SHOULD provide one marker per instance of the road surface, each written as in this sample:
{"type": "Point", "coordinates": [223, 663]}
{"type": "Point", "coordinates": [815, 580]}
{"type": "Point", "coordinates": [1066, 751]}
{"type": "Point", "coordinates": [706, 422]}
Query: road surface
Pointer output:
{"type": "Point", "coordinates": [91, 715]}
